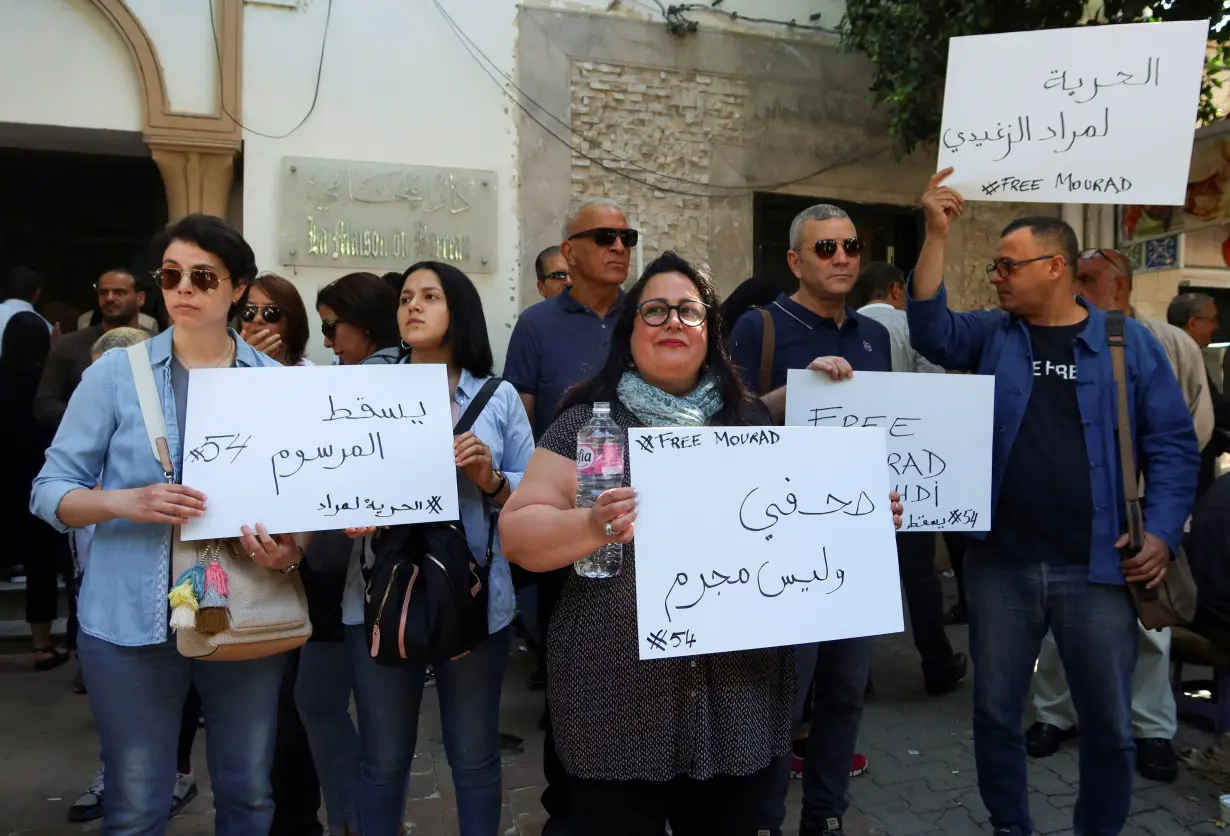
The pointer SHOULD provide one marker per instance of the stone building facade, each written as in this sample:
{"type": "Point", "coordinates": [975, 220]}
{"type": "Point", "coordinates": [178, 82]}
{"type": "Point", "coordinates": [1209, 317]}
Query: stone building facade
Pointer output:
{"type": "Point", "coordinates": [684, 131]}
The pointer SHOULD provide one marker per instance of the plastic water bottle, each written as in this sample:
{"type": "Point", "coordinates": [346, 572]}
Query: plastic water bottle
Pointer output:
{"type": "Point", "coordinates": [600, 467]}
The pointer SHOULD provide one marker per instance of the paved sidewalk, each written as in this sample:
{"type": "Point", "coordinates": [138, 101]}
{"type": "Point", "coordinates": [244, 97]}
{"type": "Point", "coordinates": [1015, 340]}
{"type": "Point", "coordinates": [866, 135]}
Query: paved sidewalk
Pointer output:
{"type": "Point", "coordinates": [921, 779]}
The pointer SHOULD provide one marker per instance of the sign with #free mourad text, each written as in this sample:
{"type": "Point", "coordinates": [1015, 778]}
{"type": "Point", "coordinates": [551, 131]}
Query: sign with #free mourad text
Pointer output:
{"type": "Point", "coordinates": [750, 537]}
{"type": "Point", "coordinates": [1092, 114]}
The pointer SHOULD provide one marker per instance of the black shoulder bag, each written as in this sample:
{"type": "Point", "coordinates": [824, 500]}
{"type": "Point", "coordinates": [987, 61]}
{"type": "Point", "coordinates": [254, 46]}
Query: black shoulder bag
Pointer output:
{"type": "Point", "coordinates": [426, 595]}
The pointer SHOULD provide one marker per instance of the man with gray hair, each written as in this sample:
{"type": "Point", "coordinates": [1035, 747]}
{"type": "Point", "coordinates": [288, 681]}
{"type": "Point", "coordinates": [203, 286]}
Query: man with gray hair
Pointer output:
{"type": "Point", "coordinates": [556, 343]}
{"type": "Point", "coordinates": [812, 328]}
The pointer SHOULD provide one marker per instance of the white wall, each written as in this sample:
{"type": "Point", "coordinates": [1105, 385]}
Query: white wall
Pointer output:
{"type": "Point", "coordinates": [831, 12]}
{"type": "Point", "coordinates": [62, 63]}
{"type": "Point", "coordinates": [397, 87]}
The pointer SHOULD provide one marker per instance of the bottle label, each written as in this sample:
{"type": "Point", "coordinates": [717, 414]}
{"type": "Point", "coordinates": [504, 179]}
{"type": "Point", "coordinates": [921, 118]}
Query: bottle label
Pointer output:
{"type": "Point", "coordinates": [599, 460]}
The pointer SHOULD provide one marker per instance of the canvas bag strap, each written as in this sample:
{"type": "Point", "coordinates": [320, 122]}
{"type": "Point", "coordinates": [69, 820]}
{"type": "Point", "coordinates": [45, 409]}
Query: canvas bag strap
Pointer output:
{"type": "Point", "coordinates": [151, 407]}
{"type": "Point", "coordinates": [1116, 340]}
{"type": "Point", "coordinates": [767, 344]}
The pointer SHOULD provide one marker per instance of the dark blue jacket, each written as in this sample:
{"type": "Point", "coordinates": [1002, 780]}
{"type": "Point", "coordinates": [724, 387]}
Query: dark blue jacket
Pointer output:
{"type": "Point", "coordinates": [997, 343]}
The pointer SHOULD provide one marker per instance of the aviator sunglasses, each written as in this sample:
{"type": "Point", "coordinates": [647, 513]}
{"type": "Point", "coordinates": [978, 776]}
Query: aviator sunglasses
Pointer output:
{"type": "Point", "coordinates": [655, 312]}
{"type": "Point", "coordinates": [203, 279]}
{"type": "Point", "coordinates": [270, 313]}
{"type": "Point", "coordinates": [827, 247]}
{"type": "Point", "coordinates": [604, 236]}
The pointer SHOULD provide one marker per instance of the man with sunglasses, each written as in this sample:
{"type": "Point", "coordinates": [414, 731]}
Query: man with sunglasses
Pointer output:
{"type": "Point", "coordinates": [816, 323]}
{"type": "Point", "coordinates": [1104, 279]}
{"type": "Point", "coordinates": [119, 301]}
{"type": "Point", "coordinates": [552, 270]}
{"type": "Point", "coordinates": [558, 342]}
{"type": "Point", "coordinates": [1054, 558]}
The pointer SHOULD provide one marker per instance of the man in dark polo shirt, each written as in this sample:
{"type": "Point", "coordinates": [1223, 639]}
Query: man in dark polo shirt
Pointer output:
{"type": "Point", "coordinates": [557, 343]}
{"type": "Point", "coordinates": [816, 323]}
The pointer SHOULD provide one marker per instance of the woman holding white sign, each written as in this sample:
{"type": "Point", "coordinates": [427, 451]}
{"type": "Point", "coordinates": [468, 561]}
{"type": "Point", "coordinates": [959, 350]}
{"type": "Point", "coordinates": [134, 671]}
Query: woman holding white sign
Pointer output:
{"type": "Point", "coordinates": [440, 316]}
{"type": "Point", "coordinates": [136, 677]}
{"type": "Point", "coordinates": [691, 740]}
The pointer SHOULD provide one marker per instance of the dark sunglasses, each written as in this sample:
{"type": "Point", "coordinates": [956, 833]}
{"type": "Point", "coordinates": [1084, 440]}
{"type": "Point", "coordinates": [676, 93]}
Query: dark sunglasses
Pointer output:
{"type": "Point", "coordinates": [203, 278]}
{"type": "Point", "coordinates": [557, 276]}
{"type": "Point", "coordinates": [328, 327]}
{"type": "Point", "coordinates": [604, 236]}
{"type": "Point", "coordinates": [270, 313]}
{"type": "Point", "coordinates": [1004, 267]}
{"type": "Point", "coordinates": [656, 312]}
{"type": "Point", "coordinates": [1095, 252]}
{"type": "Point", "coordinates": [827, 247]}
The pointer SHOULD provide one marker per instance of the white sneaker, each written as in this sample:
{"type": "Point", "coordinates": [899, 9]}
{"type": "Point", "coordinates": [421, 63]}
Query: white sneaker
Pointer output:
{"type": "Point", "coordinates": [185, 790]}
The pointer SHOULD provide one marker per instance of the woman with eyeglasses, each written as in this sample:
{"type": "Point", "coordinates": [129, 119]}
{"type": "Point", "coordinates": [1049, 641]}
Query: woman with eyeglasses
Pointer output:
{"type": "Point", "coordinates": [135, 676]}
{"type": "Point", "coordinates": [274, 320]}
{"type": "Point", "coordinates": [440, 316]}
{"type": "Point", "coordinates": [358, 319]}
{"type": "Point", "coordinates": [692, 742]}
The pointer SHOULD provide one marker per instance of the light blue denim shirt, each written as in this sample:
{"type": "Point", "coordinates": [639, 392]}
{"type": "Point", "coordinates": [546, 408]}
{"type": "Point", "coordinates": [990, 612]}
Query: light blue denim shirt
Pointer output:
{"type": "Point", "coordinates": [102, 438]}
{"type": "Point", "coordinates": [505, 428]}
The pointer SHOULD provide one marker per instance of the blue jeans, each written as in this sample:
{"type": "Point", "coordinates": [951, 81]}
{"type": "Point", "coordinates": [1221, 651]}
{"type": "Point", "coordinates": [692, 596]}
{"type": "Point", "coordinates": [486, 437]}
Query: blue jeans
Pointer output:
{"type": "Point", "coordinates": [388, 699]}
{"type": "Point", "coordinates": [839, 686]}
{"type": "Point", "coordinates": [137, 696]}
{"type": "Point", "coordinates": [1011, 606]}
{"type": "Point", "coordinates": [322, 695]}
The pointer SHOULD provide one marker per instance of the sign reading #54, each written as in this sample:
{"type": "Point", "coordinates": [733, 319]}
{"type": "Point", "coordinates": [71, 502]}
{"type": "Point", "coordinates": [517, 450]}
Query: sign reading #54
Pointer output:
{"type": "Point", "coordinates": [1095, 114]}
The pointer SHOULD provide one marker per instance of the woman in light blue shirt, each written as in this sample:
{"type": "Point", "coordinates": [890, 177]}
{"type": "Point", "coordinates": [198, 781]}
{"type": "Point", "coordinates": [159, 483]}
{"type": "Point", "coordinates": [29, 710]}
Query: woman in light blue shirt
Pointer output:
{"type": "Point", "coordinates": [441, 320]}
{"type": "Point", "coordinates": [136, 679]}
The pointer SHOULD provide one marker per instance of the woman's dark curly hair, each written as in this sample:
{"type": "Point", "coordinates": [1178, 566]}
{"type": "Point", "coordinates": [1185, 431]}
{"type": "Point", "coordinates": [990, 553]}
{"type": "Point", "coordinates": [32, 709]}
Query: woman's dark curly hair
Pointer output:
{"type": "Point", "coordinates": [603, 386]}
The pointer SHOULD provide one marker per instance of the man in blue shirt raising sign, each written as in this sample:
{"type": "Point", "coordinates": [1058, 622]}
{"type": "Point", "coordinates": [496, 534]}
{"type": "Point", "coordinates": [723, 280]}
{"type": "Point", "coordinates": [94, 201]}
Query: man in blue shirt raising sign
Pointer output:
{"type": "Point", "coordinates": [1052, 558]}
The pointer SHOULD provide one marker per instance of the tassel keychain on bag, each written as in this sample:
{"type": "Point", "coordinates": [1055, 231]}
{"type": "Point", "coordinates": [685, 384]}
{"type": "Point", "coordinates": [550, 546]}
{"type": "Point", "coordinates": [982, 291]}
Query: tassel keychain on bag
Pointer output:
{"type": "Point", "coordinates": [212, 617]}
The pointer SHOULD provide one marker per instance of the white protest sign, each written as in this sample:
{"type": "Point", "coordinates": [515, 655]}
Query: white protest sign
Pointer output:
{"type": "Point", "coordinates": [319, 447]}
{"type": "Point", "coordinates": [1094, 114]}
{"type": "Point", "coordinates": [752, 537]}
{"type": "Point", "coordinates": [938, 430]}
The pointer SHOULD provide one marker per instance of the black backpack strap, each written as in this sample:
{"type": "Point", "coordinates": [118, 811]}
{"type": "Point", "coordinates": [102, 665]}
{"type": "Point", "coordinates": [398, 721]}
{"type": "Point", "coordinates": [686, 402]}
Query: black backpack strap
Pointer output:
{"type": "Point", "coordinates": [467, 419]}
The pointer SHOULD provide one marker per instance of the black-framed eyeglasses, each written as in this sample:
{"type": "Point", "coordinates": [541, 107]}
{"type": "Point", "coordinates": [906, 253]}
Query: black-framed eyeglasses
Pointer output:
{"type": "Point", "coordinates": [605, 236]}
{"type": "Point", "coordinates": [827, 247]}
{"type": "Point", "coordinates": [270, 313]}
{"type": "Point", "coordinates": [1004, 267]}
{"type": "Point", "coordinates": [204, 279]}
{"type": "Point", "coordinates": [655, 312]}
{"type": "Point", "coordinates": [1085, 255]}
{"type": "Point", "coordinates": [328, 327]}
{"type": "Point", "coordinates": [557, 276]}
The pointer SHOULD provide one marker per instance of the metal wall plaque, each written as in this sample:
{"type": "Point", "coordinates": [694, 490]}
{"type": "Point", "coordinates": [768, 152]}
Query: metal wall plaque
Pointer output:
{"type": "Point", "coordinates": [380, 217]}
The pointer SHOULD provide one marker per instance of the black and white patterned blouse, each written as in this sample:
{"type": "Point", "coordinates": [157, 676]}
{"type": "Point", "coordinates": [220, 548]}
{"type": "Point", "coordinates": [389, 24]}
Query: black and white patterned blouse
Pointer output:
{"type": "Point", "coordinates": [617, 717]}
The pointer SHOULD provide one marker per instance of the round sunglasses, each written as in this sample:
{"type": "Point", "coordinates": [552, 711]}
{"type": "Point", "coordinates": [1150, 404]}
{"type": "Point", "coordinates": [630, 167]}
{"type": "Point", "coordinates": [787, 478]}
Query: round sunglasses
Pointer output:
{"type": "Point", "coordinates": [204, 279]}
{"type": "Point", "coordinates": [270, 313]}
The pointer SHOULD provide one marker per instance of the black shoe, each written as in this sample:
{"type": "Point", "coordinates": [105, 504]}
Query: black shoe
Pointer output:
{"type": "Point", "coordinates": [957, 614]}
{"type": "Point", "coordinates": [537, 680]}
{"type": "Point", "coordinates": [951, 679]}
{"type": "Point", "coordinates": [1042, 740]}
{"type": "Point", "coordinates": [1156, 760]}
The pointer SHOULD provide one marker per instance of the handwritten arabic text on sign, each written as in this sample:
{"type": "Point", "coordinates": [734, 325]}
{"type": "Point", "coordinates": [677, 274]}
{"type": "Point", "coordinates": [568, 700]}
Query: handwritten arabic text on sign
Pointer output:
{"type": "Point", "coordinates": [1095, 114]}
{"type": "Point", "coordinates": [789, 540]}
{"type": "Point", "coordinates": [347, 446]}
{"type": "Point", "coordinates": [938, 430]}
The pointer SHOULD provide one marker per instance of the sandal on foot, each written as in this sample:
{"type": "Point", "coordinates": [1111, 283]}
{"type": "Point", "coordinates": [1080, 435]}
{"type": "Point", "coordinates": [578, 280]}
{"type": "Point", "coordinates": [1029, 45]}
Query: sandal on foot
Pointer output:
{"type": "Point", "coordinates": [51, 658]}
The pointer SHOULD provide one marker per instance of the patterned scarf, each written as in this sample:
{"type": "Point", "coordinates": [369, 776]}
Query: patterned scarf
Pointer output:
{"type": "Point", "coordinates": [656, 408]}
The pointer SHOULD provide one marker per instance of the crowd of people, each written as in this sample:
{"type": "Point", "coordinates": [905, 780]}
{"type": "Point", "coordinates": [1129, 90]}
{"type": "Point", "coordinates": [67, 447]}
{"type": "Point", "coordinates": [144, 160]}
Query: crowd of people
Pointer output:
{"type": "Point", "coordinates": [704, 744]}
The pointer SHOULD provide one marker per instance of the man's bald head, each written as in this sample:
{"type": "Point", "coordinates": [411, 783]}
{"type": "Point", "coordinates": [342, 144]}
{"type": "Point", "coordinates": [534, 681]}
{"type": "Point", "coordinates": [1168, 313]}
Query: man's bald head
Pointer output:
{"type": "Point", "coordinates": [1104, 279]}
